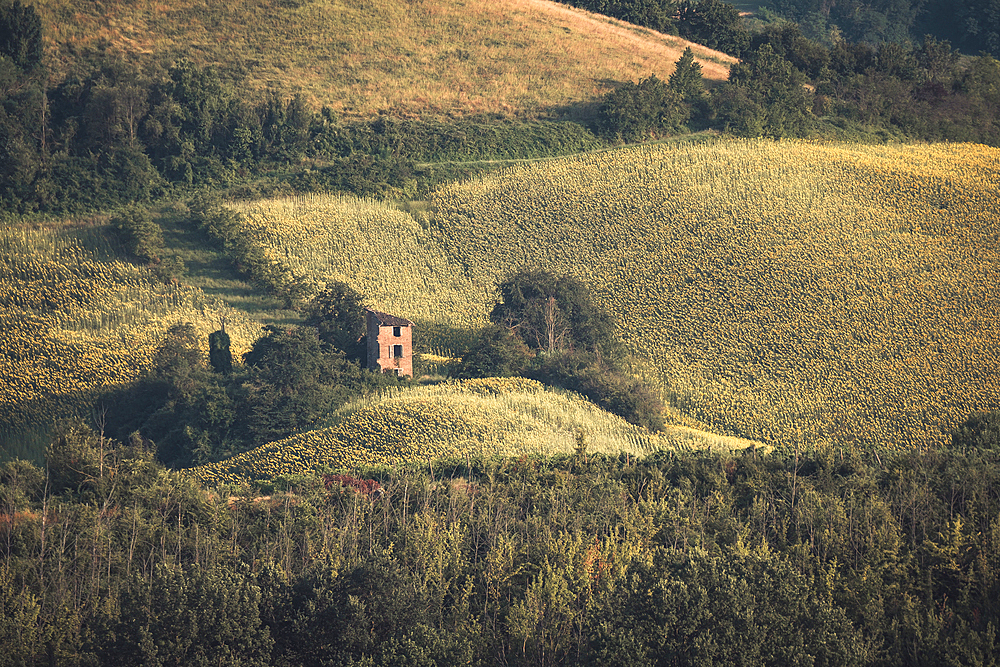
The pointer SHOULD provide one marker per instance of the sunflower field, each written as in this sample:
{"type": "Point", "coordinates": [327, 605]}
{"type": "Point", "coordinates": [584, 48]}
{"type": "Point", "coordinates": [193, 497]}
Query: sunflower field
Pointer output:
{"type": "Point", "coordinates": [78, 320]}
{"type": "Point", "coordinates": [492, 416]}
{"type": "Point", "coordinates": [387, 254]}
{"type": "Point", "coordinates": [783, 291]}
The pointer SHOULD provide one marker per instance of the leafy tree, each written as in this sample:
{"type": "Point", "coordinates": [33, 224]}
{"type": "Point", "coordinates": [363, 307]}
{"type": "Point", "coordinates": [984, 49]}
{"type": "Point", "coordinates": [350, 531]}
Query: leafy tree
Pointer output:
{"type": "Point", "coordinates": [294, 381]}
{"type": "Point", "coordinates": [638, 111]}
{"type": "Point", "coordinates": [714, 24]}
{"type": "Point", "coordinates": [686, 79]}
{"type": "Point", "coordinates": [552, 312]}
{"type": "Point", "coordinates": [338, 314]}
{"type": "Point", "coordinates": [139, 234]}
{"type": "Point", "coordinates": [20, 34]}
{"type": "Point", "coordinates": [980, 431]}
{"type": "Point", "coordinates": [787, 40]}
{"type": "Point", "coordinates": [764, 97]}
{"type": "Point", "coordinates": [198, 617]}
{"type": "Point", "coordinates": [497, 352]}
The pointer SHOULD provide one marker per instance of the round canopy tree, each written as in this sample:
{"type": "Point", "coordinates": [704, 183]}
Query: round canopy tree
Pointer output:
{"type": "Point", "coordinates": [552, 312]}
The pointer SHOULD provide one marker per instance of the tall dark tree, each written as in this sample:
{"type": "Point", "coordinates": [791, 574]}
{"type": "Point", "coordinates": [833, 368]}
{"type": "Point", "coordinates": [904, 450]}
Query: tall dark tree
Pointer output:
{"type": "Point", "coordinates": [686, 79]}
{"type": "Point", "coordinates": [219, 353]}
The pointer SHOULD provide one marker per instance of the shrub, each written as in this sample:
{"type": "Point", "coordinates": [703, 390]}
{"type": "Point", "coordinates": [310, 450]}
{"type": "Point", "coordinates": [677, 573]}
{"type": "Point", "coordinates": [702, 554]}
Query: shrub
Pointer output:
{"type": "Point", "coordinates": [139, 234]}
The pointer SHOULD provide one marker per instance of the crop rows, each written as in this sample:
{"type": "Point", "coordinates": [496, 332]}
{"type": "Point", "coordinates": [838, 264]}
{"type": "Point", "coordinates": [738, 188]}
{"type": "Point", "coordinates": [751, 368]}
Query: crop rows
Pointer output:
{"type": "Point", "coordinates": [785, 291]}
{"type": "Point", "coordinates": [472, 417]}
{"type": "Point", "coordinates": [382, 252]}
{"type": "Point", "coordinates": [76, 321]}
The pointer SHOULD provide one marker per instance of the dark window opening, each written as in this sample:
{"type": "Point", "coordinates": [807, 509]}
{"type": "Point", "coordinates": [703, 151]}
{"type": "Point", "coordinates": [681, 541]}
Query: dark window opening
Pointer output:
{"type": "Point", "coordinates": [397, 351]}
{"type": "Point", "coordinates": [396, 331]}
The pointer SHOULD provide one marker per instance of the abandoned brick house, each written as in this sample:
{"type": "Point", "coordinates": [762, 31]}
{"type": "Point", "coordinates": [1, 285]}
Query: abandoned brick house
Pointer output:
{"type": "Point", "coordinates": [390, 343]}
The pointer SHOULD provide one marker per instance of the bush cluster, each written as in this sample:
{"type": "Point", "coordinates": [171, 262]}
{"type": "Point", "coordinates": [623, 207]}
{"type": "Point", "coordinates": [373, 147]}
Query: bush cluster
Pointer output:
{"type": "Point", "coordinates": [547, 327]}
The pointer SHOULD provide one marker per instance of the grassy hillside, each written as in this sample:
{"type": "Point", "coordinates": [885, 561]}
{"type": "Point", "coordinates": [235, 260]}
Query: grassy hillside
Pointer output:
{"type": "Point", "coordinates": [407, 57]}
{"type": "Point", "coordinates": [787, 292]}
{"type": "Point", "coordinates": [505, 416]}
{"type": "Point", "coordinates": [78, 320]}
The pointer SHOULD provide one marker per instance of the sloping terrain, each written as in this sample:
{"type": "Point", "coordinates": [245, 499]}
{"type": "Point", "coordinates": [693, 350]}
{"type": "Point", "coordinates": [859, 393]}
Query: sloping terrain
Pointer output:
{"type": "Point", "coordinates": [790, 291]}
{"type": "Point", "coordinates": [785, 292]}
{"type": "Point", "coordinates": [78, 320]}
{"type": "Point", "coordinates": [493, 416]}
{"type": "Point", "coordinates": [361, 58]}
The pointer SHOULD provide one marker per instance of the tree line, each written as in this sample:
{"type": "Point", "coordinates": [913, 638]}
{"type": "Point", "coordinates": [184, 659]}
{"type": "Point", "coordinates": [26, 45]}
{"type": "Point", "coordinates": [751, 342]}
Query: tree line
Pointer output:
{"type": "Point", "coordinates": [822, 556]}
{"type": "Point", "coordinates": [973, 26]}
{"type": "Point", "coordinates": [787, 85]}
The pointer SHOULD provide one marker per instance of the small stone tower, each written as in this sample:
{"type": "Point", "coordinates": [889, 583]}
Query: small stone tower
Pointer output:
{"type": "Point", "coordinates": [390, 343]}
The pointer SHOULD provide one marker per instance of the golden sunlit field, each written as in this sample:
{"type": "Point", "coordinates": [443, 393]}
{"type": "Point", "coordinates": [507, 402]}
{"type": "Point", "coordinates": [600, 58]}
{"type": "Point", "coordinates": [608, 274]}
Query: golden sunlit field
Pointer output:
{"type": "Point", "coordinates": [493, 416]}
{"type": "Point", "coordinates": [405, 57]}
{"type": "Point", "coordinates": [78, 320]}
{"type": "Point", "coordinates": [783, 292]}
{"type": "Point", "coordinates": [395, 261]}
{"type": "Point", "coordinates": [786, 292]}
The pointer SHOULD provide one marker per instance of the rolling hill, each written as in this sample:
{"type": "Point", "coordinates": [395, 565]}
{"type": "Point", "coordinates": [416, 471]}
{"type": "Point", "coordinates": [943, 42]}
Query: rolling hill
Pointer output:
{"type": "Point", "coordinates": [788, 292]}
{"type": "Point", "coordinates": [492, 416]}
{"type": "Point", "coordinates": [362, 58]}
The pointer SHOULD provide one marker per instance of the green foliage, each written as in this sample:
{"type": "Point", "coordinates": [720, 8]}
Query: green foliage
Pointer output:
{"type": "Point", "coordinates": [815, 557]}
{"type": "Point", "coordinates": [546, 327]}
{"type": "Point", "coordinates": [714, 24]}
{"type": "Point", "coordinates": [220, 356]}
{"type": "Point", "coordinates": [497, 352]}
{"type": "Point", "coordinates": [686, 79]}
{"type": "Point", "coordinates": [225, 228]}
{"type": "Point", "coordinates": [981, 431]}
{"type": "Point", "coordinates": [20, 34]}
{"type": "Point", "coordinates": [141, 236]}
{"type": "Point", "coordinates": [338, 314]}
{"type": "Point", "coordinates": [644, 110]}
{"type": "Point", "coordinates": [764, 97]}
{"type": "Point", "coordinates": [295, 382]}
{"type": "Point", "coordinates": [602, 382]}
{"type": "Point", "coordinates": [197, 617]}
{"type": "Point", "coordinates": [552, 312]}
{"type": "Point", "coordinates": [743, 607]}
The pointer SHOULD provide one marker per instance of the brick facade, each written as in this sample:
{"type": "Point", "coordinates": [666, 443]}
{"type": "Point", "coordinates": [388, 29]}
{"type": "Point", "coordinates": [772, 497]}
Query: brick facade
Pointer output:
{"type": "Point", "coordinates": [390, 343]}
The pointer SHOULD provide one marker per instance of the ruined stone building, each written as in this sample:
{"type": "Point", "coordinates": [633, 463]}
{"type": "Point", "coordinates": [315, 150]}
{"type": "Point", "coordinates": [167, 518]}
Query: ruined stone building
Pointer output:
{"type": "Point", "coordinates": [390, 343]}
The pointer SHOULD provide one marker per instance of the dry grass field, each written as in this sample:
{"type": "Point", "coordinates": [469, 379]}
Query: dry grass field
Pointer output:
{"type": "Point", "coordinates": [404, 57]}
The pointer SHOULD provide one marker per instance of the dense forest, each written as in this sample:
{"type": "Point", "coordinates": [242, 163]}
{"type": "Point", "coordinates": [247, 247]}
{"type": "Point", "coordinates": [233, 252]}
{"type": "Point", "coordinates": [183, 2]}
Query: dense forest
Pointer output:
{"type": "Point", "coordinates": [821, 557]}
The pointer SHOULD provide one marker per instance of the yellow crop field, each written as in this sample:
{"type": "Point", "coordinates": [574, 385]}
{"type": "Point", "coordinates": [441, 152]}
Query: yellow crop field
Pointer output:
{"type": "Point", "coordinates": [780, 291]}
{"type": "Point", "coordinates": [381, 251]}
{"type": "Point", "coordinates": [493, 416]}
{"type": "Point", "coordinates": [787, 292]}
{"type": "Point", "coordinates": [76, 320]}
